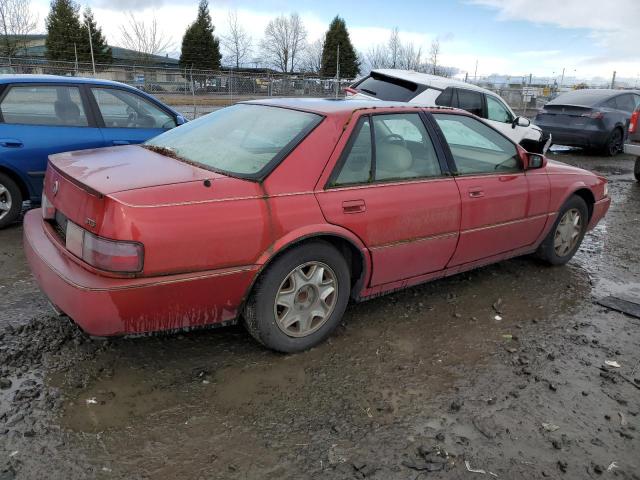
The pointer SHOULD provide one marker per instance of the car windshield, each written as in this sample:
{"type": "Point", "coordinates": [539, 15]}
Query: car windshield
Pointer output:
{"type": "Point", "coordinates": [243, 140]}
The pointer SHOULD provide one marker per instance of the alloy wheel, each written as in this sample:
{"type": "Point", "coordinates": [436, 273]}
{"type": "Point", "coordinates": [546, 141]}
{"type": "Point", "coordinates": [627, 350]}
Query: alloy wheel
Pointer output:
{"type": "Point", "coordinates": [567, 232]}
{"type": "Point", "coordinates": [306, 299]}
{"type": "Point", "coordinates": [6, 201]}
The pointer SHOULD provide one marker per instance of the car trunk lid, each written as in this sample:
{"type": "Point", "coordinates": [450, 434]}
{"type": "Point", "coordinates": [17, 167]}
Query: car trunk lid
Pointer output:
{"type": "Point", "coordinates": [566, 114]}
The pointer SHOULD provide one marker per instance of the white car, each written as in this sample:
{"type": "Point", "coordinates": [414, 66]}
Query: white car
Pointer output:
{"type": "Point", "coordinates": [431, 90]}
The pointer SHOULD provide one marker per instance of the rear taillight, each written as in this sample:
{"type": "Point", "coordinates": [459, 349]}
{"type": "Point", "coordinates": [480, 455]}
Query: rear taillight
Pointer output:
{"type": "Point", "coordinates": [595, 114]}
{"type": "Point", "coordinates": [102, 253]}
{"type": "Point", "coordinates": [633, 123]}
{"type": "Point", "coordinates": [48, 210]}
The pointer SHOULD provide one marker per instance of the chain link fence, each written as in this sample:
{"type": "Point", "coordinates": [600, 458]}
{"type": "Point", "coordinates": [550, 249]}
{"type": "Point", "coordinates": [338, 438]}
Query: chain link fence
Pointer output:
{"type": "Point", "coordinates": [197, 92]}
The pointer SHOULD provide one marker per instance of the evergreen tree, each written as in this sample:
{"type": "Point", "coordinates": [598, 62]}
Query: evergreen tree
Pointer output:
{"type": "Point", "coordinates": [63, 31]}
{"type": "Point", "coordinates": [101, 51]}
{"type": "Point", "coordinates": [338, 35]}
{"type": "Point", "coordinates": [200, 49]}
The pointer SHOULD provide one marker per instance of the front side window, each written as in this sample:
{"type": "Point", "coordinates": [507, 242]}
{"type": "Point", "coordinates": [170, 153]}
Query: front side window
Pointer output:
{"type": "Point", "coordinates": [496, 111]}
{"type": "Point", "coordinates": [403, 150]}
{"type": "Point", "coordinates": [470, 101]}
{"type": "Point", "coordinates": [243, 140]}
{"type": "Point", "coordinates": [477, 148]}
{"type": "Point", "coordinates": [445, 99]}
{"type": "Point", "coordinates": [44, 105]}
{"type": "Point", "coordinates": [121, 109]}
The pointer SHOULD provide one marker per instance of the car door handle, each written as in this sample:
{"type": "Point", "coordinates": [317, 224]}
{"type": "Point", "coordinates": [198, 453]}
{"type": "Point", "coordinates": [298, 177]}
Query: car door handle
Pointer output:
{"type": "Point", "coordinates": [476, 192]}
{"type": "Point", "coordinates": [11, 143]}
{"type": "Point", "coordinates": [121, 142]}
{"type": "Point", "coordinates": [353, 206]}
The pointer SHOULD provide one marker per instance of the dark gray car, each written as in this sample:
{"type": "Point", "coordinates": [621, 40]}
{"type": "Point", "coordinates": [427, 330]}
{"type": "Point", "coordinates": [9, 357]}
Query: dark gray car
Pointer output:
{"type": "Point", "coordinates": [591, 118]}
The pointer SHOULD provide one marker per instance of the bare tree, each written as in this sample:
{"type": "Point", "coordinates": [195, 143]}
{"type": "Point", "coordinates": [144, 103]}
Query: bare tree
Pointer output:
{"type": "Point", "coordinates": [434, 55]}
{"type": "Point", "coordinates": [410, 57]}
{"type": "Point", "coordinates": [313, 55]}
{"type": "Point", "coordinates": [144, 38]}
{"type": "Point", "coordinates": [16, 22]}
{"type": "Point", "coordinates": [284, 41]}
{"type": "Point", "coordinates": [395, 46]}
{"type": "Point", "coordinates": [238, 42]}
{"type": "Point", "coordinates": [377, 56]}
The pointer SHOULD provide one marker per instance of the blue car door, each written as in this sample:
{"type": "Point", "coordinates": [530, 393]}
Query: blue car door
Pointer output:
{"type": "Point", "coordinates": [38, 120]}
{"type": "Point", "coordinates": [127, 117]}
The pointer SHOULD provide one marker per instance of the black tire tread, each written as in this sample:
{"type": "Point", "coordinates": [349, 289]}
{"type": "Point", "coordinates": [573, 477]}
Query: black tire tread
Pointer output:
{"type": "Point", "coordinates": [16, 199]}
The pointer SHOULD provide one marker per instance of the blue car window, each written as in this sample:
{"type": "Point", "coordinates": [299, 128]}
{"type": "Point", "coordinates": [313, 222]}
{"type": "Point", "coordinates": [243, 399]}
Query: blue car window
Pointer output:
{"type": "Point", "coordinates": [44, 105]}
{"type": "Point", "coordinates": [121, 109]}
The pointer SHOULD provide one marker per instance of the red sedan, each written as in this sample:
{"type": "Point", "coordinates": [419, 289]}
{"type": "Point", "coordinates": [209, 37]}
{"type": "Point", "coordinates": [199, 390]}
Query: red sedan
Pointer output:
{"type": "Point", "coordinates": [279, 212]}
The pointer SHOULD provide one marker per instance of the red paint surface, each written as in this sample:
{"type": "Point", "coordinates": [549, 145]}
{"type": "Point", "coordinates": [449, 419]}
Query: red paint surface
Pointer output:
{"type": "Point", "coordinates": [204, 246]}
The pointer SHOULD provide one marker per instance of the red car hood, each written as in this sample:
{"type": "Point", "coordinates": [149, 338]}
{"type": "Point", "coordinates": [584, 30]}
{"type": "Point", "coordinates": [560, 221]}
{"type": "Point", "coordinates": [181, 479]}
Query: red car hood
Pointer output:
{"type": "Point", "coordinates": [117, 169]}
{"type": "Point", "coordinates": [554, 166]}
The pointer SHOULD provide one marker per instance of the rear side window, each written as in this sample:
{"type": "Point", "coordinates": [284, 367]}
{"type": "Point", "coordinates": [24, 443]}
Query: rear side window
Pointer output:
{"type": "Point", "coordinates": [44, 105]}
{"type": "Point", "coordinates": [470, 101]}
{"type": "Point", "coordinates": [388, 88]}
{"type": "Point", "coordinates": [358, 156]}
{"type": "Point", "coordinates": [403, 150]}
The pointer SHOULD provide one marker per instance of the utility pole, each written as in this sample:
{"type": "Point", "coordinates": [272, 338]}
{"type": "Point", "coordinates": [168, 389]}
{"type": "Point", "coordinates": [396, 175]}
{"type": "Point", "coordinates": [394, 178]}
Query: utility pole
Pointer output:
{"type": "Point", "coordinates": [93, 63]}
{"type": "Point", "coordinates": [613, 79]}
{"type": "Point", "coordinates": [75, 52]}
{"type": "Point", "coordinates": [338, 71]}
{"type": "Point", "coordinates": [475, 75]}
{"type": "Point", "coordinates": [562, 78]}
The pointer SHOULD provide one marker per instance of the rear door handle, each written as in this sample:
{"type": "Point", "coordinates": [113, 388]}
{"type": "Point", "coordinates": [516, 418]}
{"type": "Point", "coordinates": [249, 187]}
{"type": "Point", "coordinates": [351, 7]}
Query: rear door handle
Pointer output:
{"type": "Point", "coordinates": [353, 206]}
{"type": "Point", "coordinates": [11, 143]}
{"type": "Point", "coordinates": [121, 142]}
{"type": "Point", "coordinates": [476, 192]}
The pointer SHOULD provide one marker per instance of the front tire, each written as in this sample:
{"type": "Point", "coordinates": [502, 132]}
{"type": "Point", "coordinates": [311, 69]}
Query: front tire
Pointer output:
{"type": "Point", "coordinates": [300, 298]}
{"type": "Point", "coordinates": [566, 235]}
{"type": "Point", "coordinates": [10, 201]}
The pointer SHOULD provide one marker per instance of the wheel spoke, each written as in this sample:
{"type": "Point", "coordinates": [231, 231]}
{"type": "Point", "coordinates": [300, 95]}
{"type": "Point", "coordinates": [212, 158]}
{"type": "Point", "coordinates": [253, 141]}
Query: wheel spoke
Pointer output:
{"type": "Point", "coordinates": [286, 298]}
{"type": "Point", "coordinates": [3, 189]}
{"type": "Point", "coordinates": [4, 206]}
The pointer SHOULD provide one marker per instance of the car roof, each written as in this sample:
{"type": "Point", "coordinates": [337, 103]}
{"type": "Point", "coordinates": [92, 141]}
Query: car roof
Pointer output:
{"type": "Point", "coordinates": [428, 80]}
{"type": "Point", "coordinates": [29, 78]}
{"type": "Point", "coordinates": [329, 106]}
{"type": "Point", "coordinates": [587, 97]}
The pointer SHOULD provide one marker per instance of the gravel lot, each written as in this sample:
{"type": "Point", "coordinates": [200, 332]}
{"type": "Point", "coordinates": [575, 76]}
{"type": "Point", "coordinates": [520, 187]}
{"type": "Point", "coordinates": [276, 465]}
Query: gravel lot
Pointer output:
{"type": "Point", "coordinates": [425, 383]}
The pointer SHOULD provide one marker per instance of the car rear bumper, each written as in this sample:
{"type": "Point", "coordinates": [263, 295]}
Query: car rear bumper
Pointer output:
{"type": "Point", "coordinates": [576, 136]}
{"type": "Point", "coordinates": [600, 209]}
{"type": "Point", "coordinates": [632, 149]}
{"type": "Point", "coordinates": [104, 306]}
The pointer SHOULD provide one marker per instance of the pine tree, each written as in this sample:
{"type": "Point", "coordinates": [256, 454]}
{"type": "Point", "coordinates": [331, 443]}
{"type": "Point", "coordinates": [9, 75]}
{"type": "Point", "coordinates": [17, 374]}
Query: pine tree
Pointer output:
{"type": "Point", "coordinates": [338, 35]}
{"type": "Point", "coordinates": [200, 49]}
{"type": "Point", "coordinates": [101, 51]}
{"type": "Point", "coordinates": [63, 31]}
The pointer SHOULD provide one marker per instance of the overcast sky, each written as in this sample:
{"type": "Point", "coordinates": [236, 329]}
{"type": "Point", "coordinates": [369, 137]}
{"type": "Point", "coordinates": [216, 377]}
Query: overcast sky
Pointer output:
{"type": "Point", "coordinates": [588, 38]}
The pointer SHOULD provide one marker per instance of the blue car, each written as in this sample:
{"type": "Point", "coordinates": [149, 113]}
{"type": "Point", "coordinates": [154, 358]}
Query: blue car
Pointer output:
{"type": "Point", "coordinates": [44, 114]}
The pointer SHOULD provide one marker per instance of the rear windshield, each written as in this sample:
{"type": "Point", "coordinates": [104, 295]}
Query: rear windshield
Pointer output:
{"type": "Point", "coordinates": [388, 88]}
{"type": "Point", "coordinates": [243, 140]}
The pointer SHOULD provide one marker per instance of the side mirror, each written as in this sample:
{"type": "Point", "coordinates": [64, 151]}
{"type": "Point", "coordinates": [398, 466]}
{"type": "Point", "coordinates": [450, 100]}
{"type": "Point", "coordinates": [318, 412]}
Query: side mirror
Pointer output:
{"type": "Point", "coordinates": [535, 160]}
{"type": "Point", "coordinates": [520, 122]}
{"type": "Point", "coordinates": [180, 120]}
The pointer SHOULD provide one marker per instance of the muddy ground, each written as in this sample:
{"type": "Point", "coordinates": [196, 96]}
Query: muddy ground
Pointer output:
{"type": "Point", "coordinates": [501, 367]}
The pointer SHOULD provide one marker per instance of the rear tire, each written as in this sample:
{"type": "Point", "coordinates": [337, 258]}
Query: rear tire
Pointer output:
{"type": "Point", "coordinates": [636, 169]}
{"type": "Point", "coordinates": [300, 298]}
{"type": "Point", "coordinates": [10, 201]}
{"type": "Point", "coordinates": [614, 143]}
{"type": "Point", "coordinates": [566, 235]}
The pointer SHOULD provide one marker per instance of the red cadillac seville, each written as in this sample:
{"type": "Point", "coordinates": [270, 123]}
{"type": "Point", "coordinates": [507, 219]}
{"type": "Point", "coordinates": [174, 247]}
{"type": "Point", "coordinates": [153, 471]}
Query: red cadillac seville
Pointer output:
{"type": "Point", "coordinates": [279, 212]}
